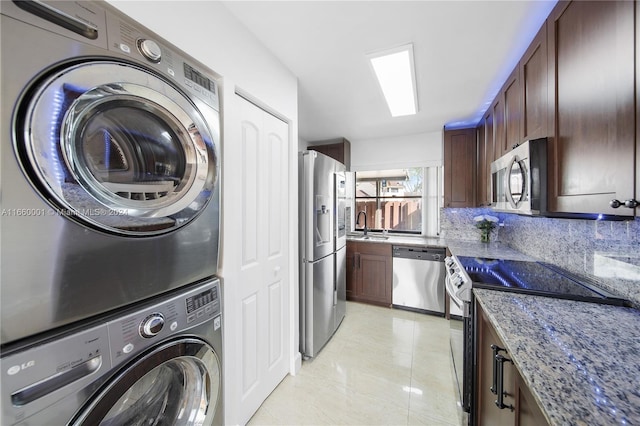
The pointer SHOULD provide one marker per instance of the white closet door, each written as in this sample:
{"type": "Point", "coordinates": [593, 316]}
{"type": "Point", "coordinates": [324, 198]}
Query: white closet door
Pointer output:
{"type": "Point", "coordinates": [263, 287]}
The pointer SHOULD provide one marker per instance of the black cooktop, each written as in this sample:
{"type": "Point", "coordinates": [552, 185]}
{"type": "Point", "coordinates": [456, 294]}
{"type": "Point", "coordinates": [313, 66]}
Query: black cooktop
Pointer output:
{"type": "Point", "coordinates": [535, 278]}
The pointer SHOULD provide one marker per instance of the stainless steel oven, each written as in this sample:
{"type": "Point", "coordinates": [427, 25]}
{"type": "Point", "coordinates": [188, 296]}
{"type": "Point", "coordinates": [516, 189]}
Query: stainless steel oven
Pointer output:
{"type": "Point", "coordinates": [460, 333]}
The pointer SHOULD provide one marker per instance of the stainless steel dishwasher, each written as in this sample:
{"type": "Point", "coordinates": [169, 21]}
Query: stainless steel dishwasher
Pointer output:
{"type": "Point", "coordinates": [418, 279]}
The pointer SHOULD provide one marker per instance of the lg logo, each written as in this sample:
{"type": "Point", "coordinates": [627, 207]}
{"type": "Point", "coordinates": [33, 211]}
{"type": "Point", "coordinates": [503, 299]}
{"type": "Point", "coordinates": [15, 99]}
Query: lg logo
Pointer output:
{"type": "Point", "coordinates": [18, 368]}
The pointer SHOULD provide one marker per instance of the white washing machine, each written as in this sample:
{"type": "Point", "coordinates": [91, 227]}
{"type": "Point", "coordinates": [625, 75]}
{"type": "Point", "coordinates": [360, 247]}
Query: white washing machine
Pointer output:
{"type": "Point", "coordinates": [158, 364]}
{"type": "Point", "coordinates": [110, 163]}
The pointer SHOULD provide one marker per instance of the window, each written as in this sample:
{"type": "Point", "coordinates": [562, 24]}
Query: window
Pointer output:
{"type": "Point", "coordinates": [392, 200]}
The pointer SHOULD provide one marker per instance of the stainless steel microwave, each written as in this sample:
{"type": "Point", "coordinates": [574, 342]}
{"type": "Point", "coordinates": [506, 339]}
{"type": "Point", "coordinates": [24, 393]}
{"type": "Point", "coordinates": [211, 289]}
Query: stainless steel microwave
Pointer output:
{"type": "Point", "coordinates": [519, 179]}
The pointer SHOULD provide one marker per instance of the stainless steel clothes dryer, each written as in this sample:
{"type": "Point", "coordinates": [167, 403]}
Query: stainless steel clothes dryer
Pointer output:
{"type": "Point", "coordinates": [110, 162]}
{"type": "Point", "coordinates": [158, 364]}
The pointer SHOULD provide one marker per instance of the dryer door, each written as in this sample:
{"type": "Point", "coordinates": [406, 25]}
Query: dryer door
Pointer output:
{"type": "Point", "coordinates": [115, 147]}
{"type": "Point", "coordinates": [179, 383]}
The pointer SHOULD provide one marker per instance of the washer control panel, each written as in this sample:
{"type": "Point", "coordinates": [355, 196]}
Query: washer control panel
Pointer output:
{"type": "Point", "coordinates": [152, 325]}
{"type": "Point", "coordinates": [34, 379]}
{"type": "Point", "coordinates": [132, 333]}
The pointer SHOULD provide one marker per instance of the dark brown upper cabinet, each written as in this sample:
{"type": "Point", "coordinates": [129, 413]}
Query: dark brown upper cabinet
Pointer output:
{"type": "Point", "coordinates": [338, 149]}
{"type": "Point", "coordinates": [482, 196]}
{"type": "Point", "coordinates": [578, 85]}
{"type": "Point", "coordinates": [460, 163]}
{"type": "Point", "coordinates": [637, 197]}
{"type": "Point", "coordinates": [499, 127]}
{"type": "Point", "coordinates": [592, 119]}
{"type": "Point", "coordinates": [533, 75]}
{"type": "Point", "coordinates": [486, 155]}
{"type": "Point", "coordinates": [512, 112]}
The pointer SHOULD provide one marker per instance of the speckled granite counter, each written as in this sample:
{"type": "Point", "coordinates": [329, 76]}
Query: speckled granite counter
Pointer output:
{"type": "Point", "coordinates": [580, 360]}
{"type": "Point", "coordinates": [494, 250]}
{"type": "Point", "coordinates": [406, 240]}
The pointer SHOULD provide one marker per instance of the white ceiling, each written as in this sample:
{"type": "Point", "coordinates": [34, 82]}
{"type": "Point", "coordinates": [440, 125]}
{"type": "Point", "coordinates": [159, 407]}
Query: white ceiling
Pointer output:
{"type": "Point", "coordinates": [464, 50]}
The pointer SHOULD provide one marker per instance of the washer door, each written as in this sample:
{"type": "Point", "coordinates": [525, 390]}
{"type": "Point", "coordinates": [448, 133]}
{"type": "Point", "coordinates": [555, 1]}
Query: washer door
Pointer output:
{"type": "Point", "coordinates": [115, 147]}
{"type": "Point", "coordinates": [177, 384]}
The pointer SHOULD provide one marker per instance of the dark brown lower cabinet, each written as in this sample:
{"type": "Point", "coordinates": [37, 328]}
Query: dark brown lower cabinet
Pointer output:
{"type": "Point", "coordinates": [369, 275]}
{"type": "Point", "coordinates": [503, 397]}
{"type": "Point", "coordinates": [527, 410]}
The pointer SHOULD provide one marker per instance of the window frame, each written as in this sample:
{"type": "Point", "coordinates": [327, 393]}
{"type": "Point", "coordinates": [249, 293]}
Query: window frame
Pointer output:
{"type": "Point", "coordinates": [379, 199]}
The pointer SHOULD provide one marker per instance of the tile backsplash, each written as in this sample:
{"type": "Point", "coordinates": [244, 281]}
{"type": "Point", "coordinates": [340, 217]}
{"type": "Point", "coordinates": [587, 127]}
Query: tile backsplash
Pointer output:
{"type": "Point", "coordinates": [606, 251]}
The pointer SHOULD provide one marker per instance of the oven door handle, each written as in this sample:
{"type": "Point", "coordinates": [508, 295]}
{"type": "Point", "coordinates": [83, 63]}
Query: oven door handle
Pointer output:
{"type": "Point", "coordinates": [455, 301]}
{"type": "Point", "coordinates": [450, 291]}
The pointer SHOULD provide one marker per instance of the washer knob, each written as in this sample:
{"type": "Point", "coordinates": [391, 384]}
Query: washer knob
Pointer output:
{"type": "Point", "coordinates": [151, 325]}
{"type": "Point", "coordinates": [150, 50]}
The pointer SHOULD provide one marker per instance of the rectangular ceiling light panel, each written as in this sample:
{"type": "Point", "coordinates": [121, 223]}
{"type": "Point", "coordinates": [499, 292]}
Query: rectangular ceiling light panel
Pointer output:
{"type": "Point", "coordinates": [397, 78]}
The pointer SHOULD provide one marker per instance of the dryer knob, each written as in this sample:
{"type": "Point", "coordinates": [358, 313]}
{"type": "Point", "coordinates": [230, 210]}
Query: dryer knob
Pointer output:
{"type": "Point", "coordinates": [150, 50]}
{"type": "Point", "coordinates": [151, 325]}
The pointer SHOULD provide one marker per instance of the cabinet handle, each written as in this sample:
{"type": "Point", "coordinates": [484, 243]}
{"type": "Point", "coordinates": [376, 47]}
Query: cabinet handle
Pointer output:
{"type": "Point", "coordinates": [358, 260]}
{"type": "Point", "coordinates": [631, 204]}
{"type": "Point", "coordinates": [500, 360]}
{"type": "Point", "coordinates": [494, 383]}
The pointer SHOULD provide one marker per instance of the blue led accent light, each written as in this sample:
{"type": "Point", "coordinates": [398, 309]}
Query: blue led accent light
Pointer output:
{"type": "Point", "coordinates": [107, 149]}
{"type": "Point", "coordinates": [54, 136]}
{"type": "Point", "coordinates": [538, 14]}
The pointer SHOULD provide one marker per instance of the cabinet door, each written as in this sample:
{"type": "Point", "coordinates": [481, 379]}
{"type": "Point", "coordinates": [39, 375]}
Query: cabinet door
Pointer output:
{"type": "Point", "coordinates": [512, 112]}
{"type": "Point", "coordinates": [591, 62]}
{"type": "Point", "coordinates": [484, 164]}
{"type": "Point", "coordinates": [528, 412]}
{"type": "Point", "coordinates": [371, 273]}
{"type": "Point", "coordinates": [499, 133]}
{"type": "Point", "coordinates": [352, 271]}
{"type": "Point", "coordinates": [488, 413]}
{"type": "Point", "coordinates": [533, 76]}
{"type": "Point", "coordinates": [637, 109]}
{"type": "Point", "coordinates": [459, 168]}
{"type": "Point", "coordinates": [486, 155]}
{"type": "Point", "coordinates": [373, 278]}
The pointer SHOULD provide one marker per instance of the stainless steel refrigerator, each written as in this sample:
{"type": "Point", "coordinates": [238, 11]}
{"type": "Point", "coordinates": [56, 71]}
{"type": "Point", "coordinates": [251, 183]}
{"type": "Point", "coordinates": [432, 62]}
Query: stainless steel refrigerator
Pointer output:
{"type": "Point", "coordinates": [323, 249]}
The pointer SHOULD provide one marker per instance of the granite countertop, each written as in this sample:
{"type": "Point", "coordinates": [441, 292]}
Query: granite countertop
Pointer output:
{"type": "Point", "coordinates": [406, 240]}
{"type": "Point", "coordinates": [581, 360]}
{"type": "Point", "coordinates": [493, 250]}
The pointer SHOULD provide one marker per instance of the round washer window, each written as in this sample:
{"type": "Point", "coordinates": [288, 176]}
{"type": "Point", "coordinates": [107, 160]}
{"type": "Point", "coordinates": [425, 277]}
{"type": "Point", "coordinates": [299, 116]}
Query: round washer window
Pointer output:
{"type": "Point", "coordinates": [174, 393]}
{"type": "Point", "coordinates": [179, 383]}
{"type": "Point", "coordinates": [120, 149]}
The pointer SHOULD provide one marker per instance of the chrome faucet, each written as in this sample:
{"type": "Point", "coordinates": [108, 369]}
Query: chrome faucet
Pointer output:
{"type": "Point", "coordinates": [365, 221]}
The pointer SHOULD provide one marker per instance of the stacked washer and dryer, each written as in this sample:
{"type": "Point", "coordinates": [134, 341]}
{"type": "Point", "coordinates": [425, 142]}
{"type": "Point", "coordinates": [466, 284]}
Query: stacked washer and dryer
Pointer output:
{"type": "Point", "coordinates": [110, 307]}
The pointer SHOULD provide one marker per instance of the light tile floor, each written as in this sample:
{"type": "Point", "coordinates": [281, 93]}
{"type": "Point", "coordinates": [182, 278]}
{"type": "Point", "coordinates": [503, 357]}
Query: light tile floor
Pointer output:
{"type": "Point", "coordinates": [382, 367]}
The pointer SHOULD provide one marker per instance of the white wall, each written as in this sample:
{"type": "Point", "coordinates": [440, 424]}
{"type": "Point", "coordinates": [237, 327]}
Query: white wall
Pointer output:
{"type": "Point", "coordinates": [210, 33]}
{"type": "Point", "coordinates": [207, 31]}
{"type": "Point", "coordinates": [419, 150]}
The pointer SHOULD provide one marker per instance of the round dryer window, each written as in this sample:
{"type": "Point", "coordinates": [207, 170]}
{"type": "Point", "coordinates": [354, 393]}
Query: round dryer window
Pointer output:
{"type": "Point", "coordinates": [178, 384]}
{"type": "Point", "coordinates": [118, 148]}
